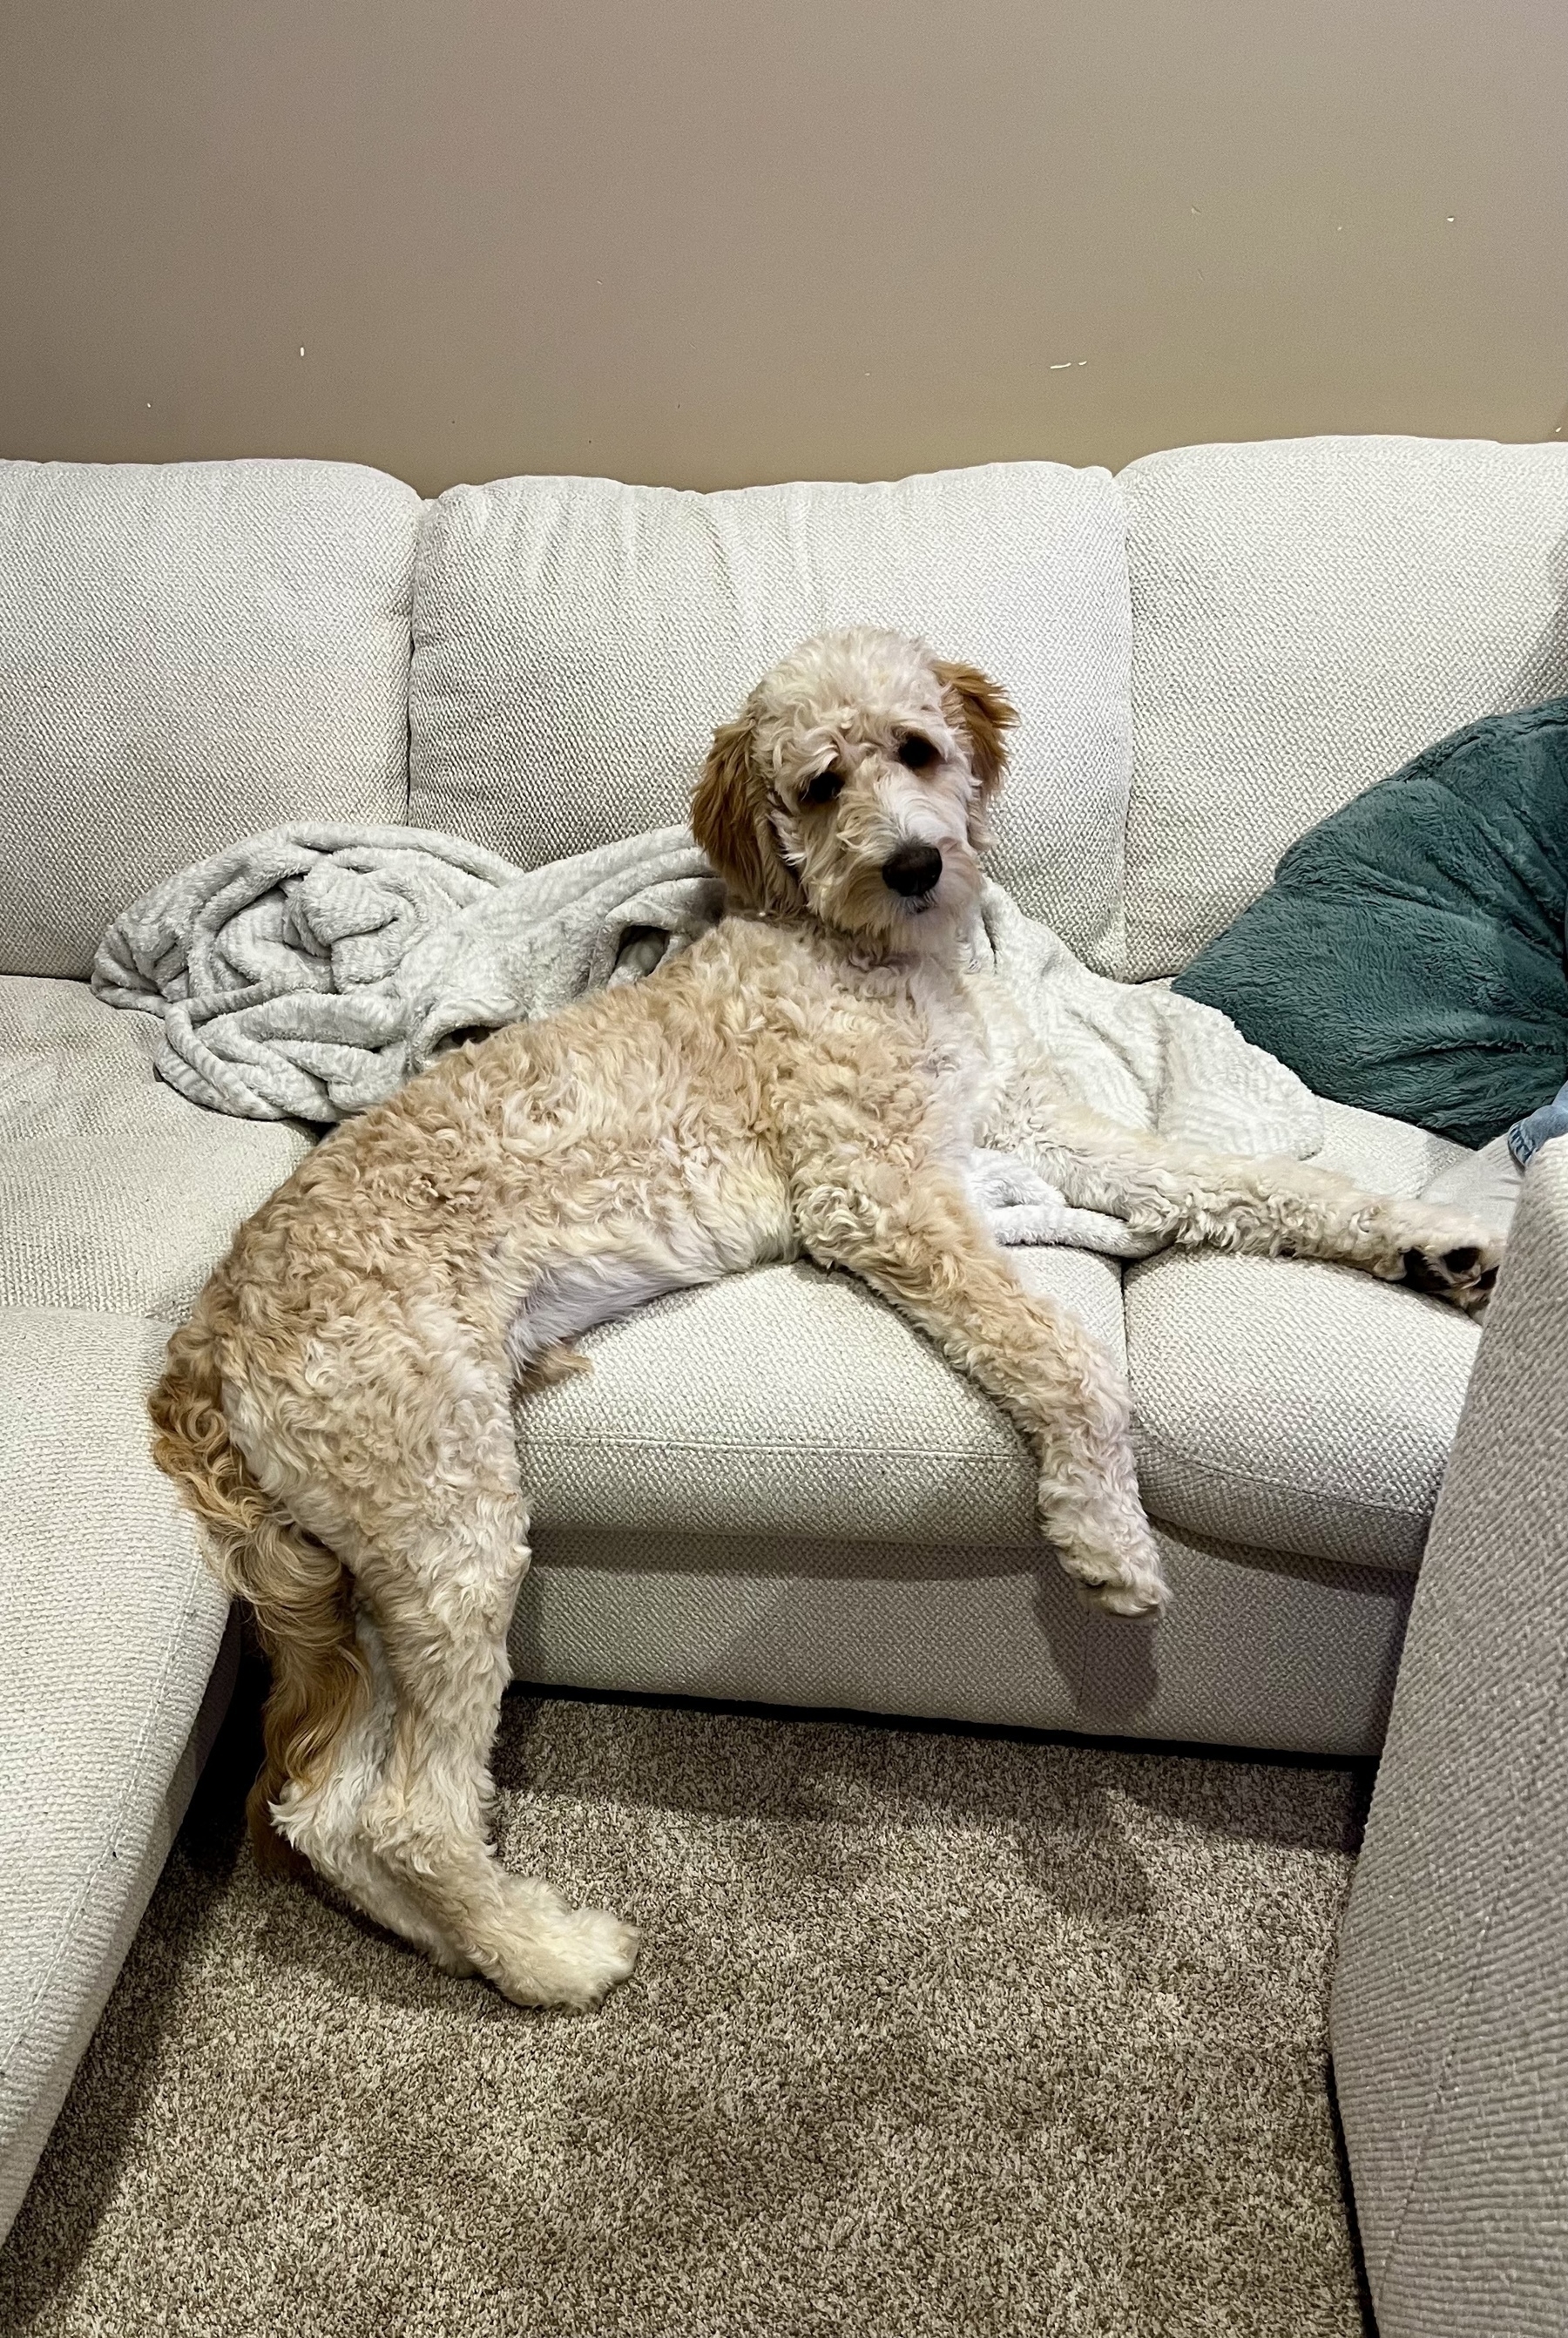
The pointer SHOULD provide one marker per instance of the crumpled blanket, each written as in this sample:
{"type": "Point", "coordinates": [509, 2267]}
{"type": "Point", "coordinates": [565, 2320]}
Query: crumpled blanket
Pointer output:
{"type": "Point", "coordinates": [308, 972]}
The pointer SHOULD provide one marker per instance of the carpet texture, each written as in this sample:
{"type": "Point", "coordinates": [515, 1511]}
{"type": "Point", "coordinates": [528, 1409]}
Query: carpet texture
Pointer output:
{"type": "Point", "coordinates": [934, 2033]}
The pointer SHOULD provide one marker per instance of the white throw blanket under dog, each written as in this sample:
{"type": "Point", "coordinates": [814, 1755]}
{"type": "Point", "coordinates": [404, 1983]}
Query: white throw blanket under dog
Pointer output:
{"type": "Point", "coordinates": [306, 973]}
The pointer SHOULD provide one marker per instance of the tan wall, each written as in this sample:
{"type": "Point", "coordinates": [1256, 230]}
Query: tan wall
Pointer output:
{"type": "Point", "coordinates": [715, 240]}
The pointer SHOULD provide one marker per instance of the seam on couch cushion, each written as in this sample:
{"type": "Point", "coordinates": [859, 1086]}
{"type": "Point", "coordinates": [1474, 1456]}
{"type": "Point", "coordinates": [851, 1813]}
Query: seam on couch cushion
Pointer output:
{"type": "Point", "coordinates": [1151, 1436]}
{"type": "Point", "coordinates": [593, 1440]}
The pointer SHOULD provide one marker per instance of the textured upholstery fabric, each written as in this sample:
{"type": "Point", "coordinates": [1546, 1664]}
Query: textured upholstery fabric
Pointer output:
{"type": "Point", "coordinates": [116, 1195]}
{"type": "Point", "coordinates": [1308, 614]}
{"type": "Point", "coordinates": [1487, 1184]}
{"type": "Point", "coordinates": [576, 641]}
{"type": "Point", "coordinates": [187, 652]}
{"type": "Point", "coordinates": [110, 1626]}
{"type": "Point", "coordinates": [1450, 2015]}
{"type": "Point", "coordinates": [1293, 1406]}
{"type": "Point", "coordinates": [1387, 1157]}
{"type": "Point", "coordinates": [117, 1198]}
{"type": "Point", "coordinates": [1258, 1649]}
{"type": "Point", "coordinates": [1255, 1651]}
{"type": "Point", "coordinates": [790, 1402]}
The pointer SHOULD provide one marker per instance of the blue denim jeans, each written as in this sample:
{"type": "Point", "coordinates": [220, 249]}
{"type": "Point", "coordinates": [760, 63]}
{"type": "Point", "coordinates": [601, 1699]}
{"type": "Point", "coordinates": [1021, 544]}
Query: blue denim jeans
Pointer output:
{"type": "Point", "coordinates": [1527, 1135]}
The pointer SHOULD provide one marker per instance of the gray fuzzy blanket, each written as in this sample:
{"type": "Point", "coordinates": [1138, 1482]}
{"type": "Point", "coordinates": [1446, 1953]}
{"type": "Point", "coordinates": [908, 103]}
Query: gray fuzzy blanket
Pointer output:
{"type": "Point", "coordinates": [306, 973]}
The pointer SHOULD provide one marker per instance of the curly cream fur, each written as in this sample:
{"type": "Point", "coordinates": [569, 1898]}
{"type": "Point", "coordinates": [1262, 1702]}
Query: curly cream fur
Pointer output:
{"type": "Point", "coordinates": [811, 1078]}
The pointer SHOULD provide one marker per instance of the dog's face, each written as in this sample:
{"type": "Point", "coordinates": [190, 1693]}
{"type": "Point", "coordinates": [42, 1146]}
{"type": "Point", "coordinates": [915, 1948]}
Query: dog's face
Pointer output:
{"type": "Point", "coordinates": [853, 788]}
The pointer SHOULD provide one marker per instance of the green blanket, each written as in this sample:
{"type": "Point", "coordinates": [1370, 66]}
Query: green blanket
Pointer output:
{"type": "Point", "coordinates": [1409, 955]}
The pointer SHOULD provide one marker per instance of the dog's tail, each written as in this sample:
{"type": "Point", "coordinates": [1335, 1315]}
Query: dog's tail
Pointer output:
{"type": "Point", "coordinates": [297, 1587]}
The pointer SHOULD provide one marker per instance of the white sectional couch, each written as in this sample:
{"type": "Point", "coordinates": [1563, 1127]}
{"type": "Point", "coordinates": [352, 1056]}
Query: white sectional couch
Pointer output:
{"type": "Point", "coordinates": [772, 1489]}
{"type": "Point", "coordinates": [1450, 2012]}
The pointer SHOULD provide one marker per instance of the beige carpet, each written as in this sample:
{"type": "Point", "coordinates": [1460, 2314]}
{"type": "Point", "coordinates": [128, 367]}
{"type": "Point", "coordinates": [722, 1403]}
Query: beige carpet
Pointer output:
{"type": "Point", "coordinates": [934, 2033]}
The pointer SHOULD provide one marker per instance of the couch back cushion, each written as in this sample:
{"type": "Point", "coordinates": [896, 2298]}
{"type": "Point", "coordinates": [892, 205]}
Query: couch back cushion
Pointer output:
{"type": "Point", "coordinates": [187, 652]}
{"type": "Point", "coordinates": [1308, 614]}
{"type": "Point", "coordinates": [576, 641]}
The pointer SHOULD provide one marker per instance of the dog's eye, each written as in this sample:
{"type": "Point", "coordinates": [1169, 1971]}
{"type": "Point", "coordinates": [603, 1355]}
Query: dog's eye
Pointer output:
{"type": "Point", "coordinates": [915, 753]}
{"type": "Point", "coordinates": [824, 787]}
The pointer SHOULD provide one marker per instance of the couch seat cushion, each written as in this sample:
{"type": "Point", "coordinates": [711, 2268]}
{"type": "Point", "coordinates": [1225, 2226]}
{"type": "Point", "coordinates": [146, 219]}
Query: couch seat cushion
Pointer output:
{"type": "Point", "coordinates": [576, 641]}
{"type": "Point", "coordinates": [116, 1194]}
{"type": "Point", "coordinates": [111, 1626]}
{"type": "Point", "coordinates": [790, 1402]}
{"type": "Point", "coordinates": [1387, 1157]}
{"type": "Point", "coordinates": [1298, 1407]}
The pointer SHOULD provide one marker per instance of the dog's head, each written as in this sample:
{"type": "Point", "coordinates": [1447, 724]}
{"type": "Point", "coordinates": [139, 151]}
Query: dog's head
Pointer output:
{"type": "Point", "coordinates": [853, 788]}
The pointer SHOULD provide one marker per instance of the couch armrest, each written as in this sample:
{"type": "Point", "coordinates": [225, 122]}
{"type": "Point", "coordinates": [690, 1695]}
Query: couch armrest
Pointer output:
{"type": "Point", "coordinates": [1450, 2012]}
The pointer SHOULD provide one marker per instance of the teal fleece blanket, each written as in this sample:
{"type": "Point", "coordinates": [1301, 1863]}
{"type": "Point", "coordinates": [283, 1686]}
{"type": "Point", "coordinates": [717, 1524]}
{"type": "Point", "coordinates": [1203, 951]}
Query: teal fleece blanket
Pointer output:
{"type": "Point", "coordinates": [1410, 955]}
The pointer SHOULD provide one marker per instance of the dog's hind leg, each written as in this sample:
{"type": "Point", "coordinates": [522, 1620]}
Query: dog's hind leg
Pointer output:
{"type": "Point", "coordinates": [442, 1562]}
{"type": "Point", "coordinates": [443, 1615]}
{"type": "Point", "coordinates": [422, 1502]}
{"type": "Point", "coordinates": [325, 1822]}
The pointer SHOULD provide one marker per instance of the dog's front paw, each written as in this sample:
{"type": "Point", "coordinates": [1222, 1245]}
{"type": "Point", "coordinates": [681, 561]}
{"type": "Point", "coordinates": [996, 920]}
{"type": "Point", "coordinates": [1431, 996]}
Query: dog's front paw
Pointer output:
{"type": "Point", "coordinates": [1118, 1572]}
{"type": "Point", "coordinates": [1448, 1256]}
{"type": "Point", "coordinates": [1149, 1596]}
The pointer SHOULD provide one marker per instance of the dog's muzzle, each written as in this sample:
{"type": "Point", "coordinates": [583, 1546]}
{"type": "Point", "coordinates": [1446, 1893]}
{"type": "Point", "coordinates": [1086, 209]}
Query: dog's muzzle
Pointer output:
{"type": "Point", "coordinates": [912, 868]}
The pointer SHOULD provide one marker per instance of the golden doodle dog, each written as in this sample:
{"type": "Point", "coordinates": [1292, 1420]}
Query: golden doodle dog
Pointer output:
{"type": "Point", "coordinates": [809, 1079]}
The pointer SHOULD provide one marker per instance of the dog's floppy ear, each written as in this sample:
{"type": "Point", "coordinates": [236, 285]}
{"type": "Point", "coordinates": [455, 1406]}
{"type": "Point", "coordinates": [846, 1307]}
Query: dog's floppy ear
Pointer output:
{"type": "Point", "coordinates": [729, 820]}
{"type": "Point", "coordinates": [979, 710]}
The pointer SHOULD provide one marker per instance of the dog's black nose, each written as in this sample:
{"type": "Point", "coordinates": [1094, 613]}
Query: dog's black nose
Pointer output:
{"type": "Point", "coordinates": [912, 868]}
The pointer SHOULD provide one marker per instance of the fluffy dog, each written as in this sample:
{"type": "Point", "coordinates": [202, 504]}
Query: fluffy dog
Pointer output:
{"type": "Point", "coordinates": [809, 1079]}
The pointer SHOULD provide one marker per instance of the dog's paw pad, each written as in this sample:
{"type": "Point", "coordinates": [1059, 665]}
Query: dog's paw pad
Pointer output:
{"type": "Point", "coordinates": [1464, 1273]}
{"type": "Point", "coordinates": [1422, 1274]}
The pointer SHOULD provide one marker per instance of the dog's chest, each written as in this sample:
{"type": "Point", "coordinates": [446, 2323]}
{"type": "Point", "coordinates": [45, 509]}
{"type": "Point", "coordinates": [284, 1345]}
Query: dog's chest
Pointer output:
{"type": "Point", "coordinates": [953, 1057]}
{"type": "Point", "coordinates": [897, 1050]}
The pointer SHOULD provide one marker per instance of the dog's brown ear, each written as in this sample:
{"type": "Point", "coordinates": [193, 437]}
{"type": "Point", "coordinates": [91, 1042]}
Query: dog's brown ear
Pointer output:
{"type": "Point", "coordinates": [729, 822]}
{"type": "Point", "coordinates": [984, 715]}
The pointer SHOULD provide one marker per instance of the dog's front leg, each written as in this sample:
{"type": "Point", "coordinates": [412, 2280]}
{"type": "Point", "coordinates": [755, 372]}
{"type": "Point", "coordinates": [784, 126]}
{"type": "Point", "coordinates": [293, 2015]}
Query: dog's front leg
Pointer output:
{"type": "Point", "coordinates": [921, 1246]}
{"type": "Point", "coordinates": [1280, 1208]}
